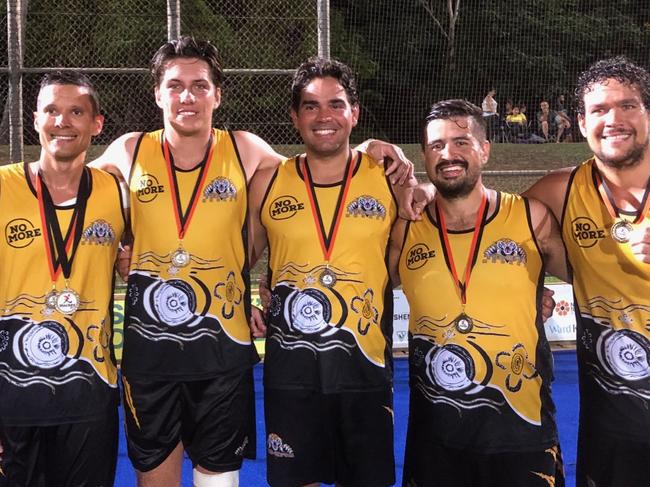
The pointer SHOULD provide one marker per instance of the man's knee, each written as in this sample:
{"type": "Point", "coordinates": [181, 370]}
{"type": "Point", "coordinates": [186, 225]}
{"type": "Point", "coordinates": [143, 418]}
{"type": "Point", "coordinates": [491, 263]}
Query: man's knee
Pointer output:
{"type": "Point", "coordinates": [221, 479]}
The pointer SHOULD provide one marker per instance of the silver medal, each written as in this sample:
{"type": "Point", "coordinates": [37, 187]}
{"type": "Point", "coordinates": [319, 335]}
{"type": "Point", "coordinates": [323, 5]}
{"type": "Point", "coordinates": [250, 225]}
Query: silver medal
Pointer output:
{"type": "Point", "coordinates": [327, 278]}
{"type": "Point", "coordinates": [50, 299]}
{"type": "Point", "coordinates": [180, 257]}
{"type": "Point", "coordinates": [464, 323]}
{"type": "Point", "coordinates": [621, 231]}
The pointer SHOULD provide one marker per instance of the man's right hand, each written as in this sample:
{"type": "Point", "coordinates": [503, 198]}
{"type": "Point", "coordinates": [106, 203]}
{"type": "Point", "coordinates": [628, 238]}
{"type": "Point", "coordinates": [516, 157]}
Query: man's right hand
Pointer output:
{"type": "Point", "coordinates": [264, 292]}
{"type": "Point", "coordinates": [123, 262]}
{"type": "Point", "coordinates": [412, 201]}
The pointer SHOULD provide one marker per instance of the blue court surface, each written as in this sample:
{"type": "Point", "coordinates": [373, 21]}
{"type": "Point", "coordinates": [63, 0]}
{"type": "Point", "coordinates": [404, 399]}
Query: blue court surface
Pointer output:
{"type": "Point", "coordinates": [565, 393]}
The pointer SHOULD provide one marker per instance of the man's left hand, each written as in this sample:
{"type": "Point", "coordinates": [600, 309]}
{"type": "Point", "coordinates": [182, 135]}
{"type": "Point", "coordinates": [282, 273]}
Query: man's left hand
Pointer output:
{"type": "Point", "coordinates": [398, 168]}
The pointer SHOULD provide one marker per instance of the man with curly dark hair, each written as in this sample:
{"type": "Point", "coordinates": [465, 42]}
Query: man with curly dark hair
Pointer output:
{"type": "Point", "coordinates": [602, 206]}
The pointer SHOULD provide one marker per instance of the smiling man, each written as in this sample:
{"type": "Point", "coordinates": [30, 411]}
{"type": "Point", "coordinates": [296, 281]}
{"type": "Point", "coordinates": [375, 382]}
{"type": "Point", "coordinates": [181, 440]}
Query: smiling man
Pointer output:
{"type": "Point", "coordinates": [481, 411]}
{"type": "Point", "coordinates": [328, 365]}
{"type": "Point", "coordinates": [63, 223]}
{"type": "Point", "coordinates": [603, 209]}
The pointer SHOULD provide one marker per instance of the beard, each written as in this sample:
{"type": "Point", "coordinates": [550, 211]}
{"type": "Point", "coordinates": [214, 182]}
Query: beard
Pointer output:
{"type": "Point", "coordinates": [627, 160]}
{"type": "Point", "coordinates": [459, 187]}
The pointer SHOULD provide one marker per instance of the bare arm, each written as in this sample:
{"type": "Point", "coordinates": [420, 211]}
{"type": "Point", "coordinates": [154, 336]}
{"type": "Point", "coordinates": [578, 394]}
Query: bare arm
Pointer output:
{"type": "Point", "coordinates": [549, 238]}
{"type": "Point", "coordinates": [255, 153]}
{"type": "Point", "coordinates": [118, 156]}
{"type": "Point", "coordinates": [257, 239]}
{"type": "Point", "coordinates": [551, 190]}
{"type": "Point", "coordinates": [395, 249]}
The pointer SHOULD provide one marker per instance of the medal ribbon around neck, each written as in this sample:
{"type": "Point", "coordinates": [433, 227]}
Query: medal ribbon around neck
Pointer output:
{"type": "Point", "coordinates": [327, 242]}
{"type": "Point", "coordinates": [183, 219]}
{"type": "Point", "coordinates": [481, 215]}
{"type": "Point", "coordinates": [608, 200]}
{"type": "Point", "coordinates": [57, 247]}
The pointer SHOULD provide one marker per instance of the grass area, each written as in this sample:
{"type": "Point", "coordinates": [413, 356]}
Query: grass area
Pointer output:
{"type": "Point", "coordinates": [503, 157]}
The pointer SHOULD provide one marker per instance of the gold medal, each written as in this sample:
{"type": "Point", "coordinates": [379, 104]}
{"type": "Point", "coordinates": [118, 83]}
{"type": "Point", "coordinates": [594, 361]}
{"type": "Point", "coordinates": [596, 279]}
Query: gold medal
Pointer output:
{"type": "Point", "coordinates": [621, 231]}
{"type": "Point", "coordinates": [67, 301]}
{"type": "Point", "coordinates": [180, 257]}
{"type": "Point", "coordinates": [327, 278]}
{"type": "Point", "coordinates": [464, 323]}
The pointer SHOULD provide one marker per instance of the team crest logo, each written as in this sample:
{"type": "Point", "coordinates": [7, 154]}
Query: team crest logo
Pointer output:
{"type": "Point", "coordinates": [148, 188]}
{"type": "Point", "coordinates": [20, 232]}
{"type": "Point", "coordinates": [278, 448]}
{"type": "Point", "coordinates": [585, 232]}
{"type": "Point", "coordinates": [220, 189]}
{"type": "Point", "coordinates": [99, 232]}
{"type": "Point", "coordinates": [505, 251]}
{"type": "Point", "coordinates": [418, 255]}
{"type": "Point", "coordinates": [284, 207]}
{"type": "Point", "coordinates": [368, 207]}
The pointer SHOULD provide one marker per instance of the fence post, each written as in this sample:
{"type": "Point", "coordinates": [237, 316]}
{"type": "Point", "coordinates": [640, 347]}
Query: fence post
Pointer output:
{"type": "Point", "coordinates": [15, 61]}
{"type": "Point", "coordinates": [173, 19]}
{"type": "Point", "coordinates": [324, 28]}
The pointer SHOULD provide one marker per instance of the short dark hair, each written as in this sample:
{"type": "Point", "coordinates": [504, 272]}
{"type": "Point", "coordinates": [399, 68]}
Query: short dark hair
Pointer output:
{"type": "Point", "coordinates": [189, 48]}
{"type": "Point", "coordinates": [619, 68]}
{"type": "Point", "coordinates": [448, 109]}
{"type": "Point", "coordinates": [72, 78]}
{"type": "Point", "coordinates": [317, 67]}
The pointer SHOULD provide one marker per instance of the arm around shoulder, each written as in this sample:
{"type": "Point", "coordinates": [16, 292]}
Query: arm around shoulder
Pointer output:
{"type": "Point", "coordinates": [551, 190]}
{"type": "Point", "coordinates": [118, 156]}
{"type": "Point", "coordinates": [256, 154]}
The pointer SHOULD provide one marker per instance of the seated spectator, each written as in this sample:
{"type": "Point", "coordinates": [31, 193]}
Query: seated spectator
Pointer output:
{"type": "Point", "coordinates": [551, 122]}
{"type": "Point", "coordinates": [517, 117]}
{"type": "Point", "coordinates": [517, 123]}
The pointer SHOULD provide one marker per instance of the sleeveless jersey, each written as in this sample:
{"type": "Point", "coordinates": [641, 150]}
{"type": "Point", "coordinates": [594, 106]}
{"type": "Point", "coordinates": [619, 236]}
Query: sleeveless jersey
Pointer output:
{"type": "Point", "coordinates": [330, 322]}
{"type": "Point", "coordinates": [188, 322]}
{"type": "Point", "coordinates": [486, 386]}
{"type": "Point", "coordinates": [56, 368]}
{"type": "Point", "coordinates": [612, 294]}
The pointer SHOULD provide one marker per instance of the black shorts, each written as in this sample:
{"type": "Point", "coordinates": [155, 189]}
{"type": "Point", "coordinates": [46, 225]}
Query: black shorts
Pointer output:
{"type": "Point", "coordinates": [428, 464]}
{"type": "Point", "coordinates": [344, 438]}
{"type": "Point", "coordinates": [65, 455]}
{"type": "Point", "coordinates": [214, 418]}
{"type": "Point", "coordinates": [607, 461]}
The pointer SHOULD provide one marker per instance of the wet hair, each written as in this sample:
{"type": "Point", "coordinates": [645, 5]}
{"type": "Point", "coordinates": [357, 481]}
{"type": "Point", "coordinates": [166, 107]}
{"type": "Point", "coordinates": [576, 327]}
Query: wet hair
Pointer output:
{"type": "Point", "coordinates": [72, 78]}
{"type": "Point", "coordinates": [618, 68]}
{"type": "Point", "coordinates": [188, 48]}
{"type": "Point", "coordinates": [448, 109]}
{"type": "Point", "coordinates": [317, 67]}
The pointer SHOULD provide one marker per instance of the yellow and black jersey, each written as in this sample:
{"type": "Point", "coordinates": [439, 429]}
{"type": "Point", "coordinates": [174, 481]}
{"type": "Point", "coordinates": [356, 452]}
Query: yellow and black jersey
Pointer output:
{"type": "Point", "coordinates": [612, 292]}
{"type": "Point", "coordinates": [56, 367]}
{"type": "Point", "coordinates": [330, 318]}
{"type": "Point", "coordinates": [483, 370]}
{"type": "Point", "coordinates": [188, 319]}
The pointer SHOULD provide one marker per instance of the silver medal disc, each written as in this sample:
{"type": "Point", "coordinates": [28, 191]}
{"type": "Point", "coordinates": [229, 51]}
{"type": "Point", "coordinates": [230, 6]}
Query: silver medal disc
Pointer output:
{"type": "Point", "coordinates": [67, 301]}
{"type": "Point", "coordinates": [464, 323]}
{"type": "Point", "coordinates": [180, 258]}
{"type": "Point", "coordinates": [621, 231]}
{"type": "Point", "coordinates": [50, 299]}
{"type": "Point", "coordinates": [327, 278]}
